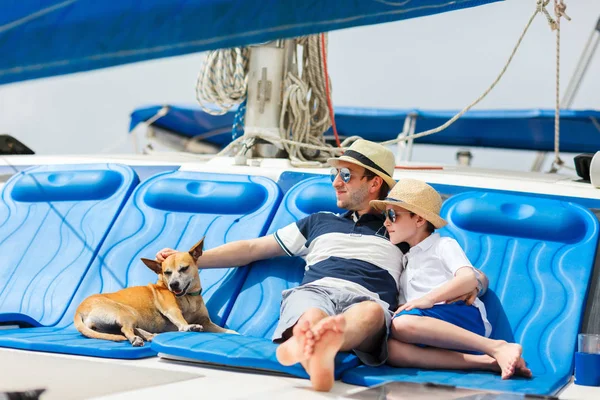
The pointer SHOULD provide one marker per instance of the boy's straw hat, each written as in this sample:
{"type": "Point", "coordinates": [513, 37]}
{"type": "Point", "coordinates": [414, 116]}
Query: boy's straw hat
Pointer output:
{"type": "Point", "coordinates": [416, 196]}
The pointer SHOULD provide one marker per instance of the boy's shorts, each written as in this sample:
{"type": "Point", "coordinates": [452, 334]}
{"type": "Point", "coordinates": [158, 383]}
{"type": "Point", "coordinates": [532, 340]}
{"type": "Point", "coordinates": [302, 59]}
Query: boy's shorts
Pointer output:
{"type": "Point", "coordinates": [332, 301]}
{"type": "Point", "coordinates": [459, 314]}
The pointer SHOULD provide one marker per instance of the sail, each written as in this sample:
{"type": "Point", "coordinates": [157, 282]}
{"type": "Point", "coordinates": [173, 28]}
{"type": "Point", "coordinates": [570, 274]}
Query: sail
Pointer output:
{"type": "Point", "coordinates": [53, 37]}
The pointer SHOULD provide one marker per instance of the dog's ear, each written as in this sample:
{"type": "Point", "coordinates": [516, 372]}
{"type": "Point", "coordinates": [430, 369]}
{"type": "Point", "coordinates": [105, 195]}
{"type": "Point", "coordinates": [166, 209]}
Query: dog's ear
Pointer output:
{"type": "Point", "coordinates": [153, 265]}
{"type": "Point", "coordinates": [196, 250]}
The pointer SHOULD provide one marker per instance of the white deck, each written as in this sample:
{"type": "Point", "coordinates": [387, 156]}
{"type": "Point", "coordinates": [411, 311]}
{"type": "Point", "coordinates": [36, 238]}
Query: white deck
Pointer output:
{"type": "Point", "coordinates": [75, 377]}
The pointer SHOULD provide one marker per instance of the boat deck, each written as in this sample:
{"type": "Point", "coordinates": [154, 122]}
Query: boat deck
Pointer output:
{"type": "Point", "coordinates": [76, 377]}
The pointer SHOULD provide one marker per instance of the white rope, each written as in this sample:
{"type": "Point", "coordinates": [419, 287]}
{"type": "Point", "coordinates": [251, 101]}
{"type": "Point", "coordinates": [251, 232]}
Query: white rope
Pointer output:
{"type": "Point", "coordinates": [540, 8]}
{"type": "Point", "coordinates": [314, 75]}
{"type": "Point", "coordinates": [304, 118]}
{"type": "Point", "coordinates": [35, 15]}
{"type": "Point", "coordinates": [300, 98]}
{"type": "Point", "coordinates": [559, 11]}
{"type": "Point", "coordinates": [222, 80]}
{"type": "Point", "coordinates": [304, 113]}
{"type": "Point", "coordinates": [294, 120]}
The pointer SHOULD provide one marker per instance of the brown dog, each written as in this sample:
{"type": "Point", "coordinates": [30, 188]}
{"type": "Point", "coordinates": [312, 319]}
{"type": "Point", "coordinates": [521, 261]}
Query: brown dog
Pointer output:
{"type": "Point", "coordinates": [174, 303]}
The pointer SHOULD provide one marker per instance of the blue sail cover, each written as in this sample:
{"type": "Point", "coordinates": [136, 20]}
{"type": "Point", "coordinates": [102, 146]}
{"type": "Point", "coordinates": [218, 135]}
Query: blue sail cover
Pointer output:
{"type": "Point", "coordinates": [41, 38]}
{"type": "Point", "coordinates": [531, 129]}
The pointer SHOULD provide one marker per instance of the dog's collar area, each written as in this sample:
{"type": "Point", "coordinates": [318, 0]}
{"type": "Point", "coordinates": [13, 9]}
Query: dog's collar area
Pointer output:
{"type": "Point", "coordinates": [198, 293]}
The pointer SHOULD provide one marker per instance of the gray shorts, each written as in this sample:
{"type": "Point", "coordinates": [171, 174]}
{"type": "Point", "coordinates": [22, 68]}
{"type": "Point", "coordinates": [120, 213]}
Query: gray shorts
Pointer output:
{"type": "Point", "coordinates": [332, 301]}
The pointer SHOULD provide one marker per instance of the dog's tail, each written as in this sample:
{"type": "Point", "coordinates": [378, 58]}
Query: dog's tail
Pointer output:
{"type": "Point", "coordinates": [86, 331]}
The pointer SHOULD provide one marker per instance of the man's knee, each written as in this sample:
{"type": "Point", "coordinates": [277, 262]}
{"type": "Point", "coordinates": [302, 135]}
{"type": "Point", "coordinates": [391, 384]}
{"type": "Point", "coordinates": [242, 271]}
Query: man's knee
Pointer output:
{"type": "Point", "coordinates": [372, 320]}
{"type": "Point", "coordinates": [405, 327]}
{"type": "Point", "coordinates": [313, 315]}
{"type": "Point", "coordinates": [373, 312]}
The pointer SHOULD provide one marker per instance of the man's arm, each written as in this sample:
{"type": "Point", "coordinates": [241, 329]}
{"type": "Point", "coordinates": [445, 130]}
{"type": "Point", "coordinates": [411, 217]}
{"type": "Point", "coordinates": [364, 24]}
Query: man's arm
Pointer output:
{"type": "Point", "coordinates": [234, 254]}
{"type": "Point", "coordinates": [464, 282]}
{"type": "Point", "coordinates": [482, 282]}
{"type": "Point", "coordinates": [482, 287]}
{"type": "Point", "coordinates": [455, 259]}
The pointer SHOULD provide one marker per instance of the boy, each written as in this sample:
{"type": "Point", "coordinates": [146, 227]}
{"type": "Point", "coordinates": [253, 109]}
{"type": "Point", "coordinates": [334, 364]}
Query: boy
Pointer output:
{"type": "Point", "coordinates": [437, 270]}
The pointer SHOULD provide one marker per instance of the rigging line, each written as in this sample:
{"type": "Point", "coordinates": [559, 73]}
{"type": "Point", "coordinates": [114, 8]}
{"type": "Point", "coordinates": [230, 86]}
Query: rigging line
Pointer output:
{"type": "Point", "coordinates": [37, 14]}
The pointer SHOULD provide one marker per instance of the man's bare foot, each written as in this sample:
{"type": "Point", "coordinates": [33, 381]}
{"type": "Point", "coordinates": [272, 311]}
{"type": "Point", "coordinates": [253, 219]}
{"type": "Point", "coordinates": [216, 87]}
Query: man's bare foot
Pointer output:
{"type": "Point", "coordinates": [299, 347]}
{"type": "Point", "coordinates": [508, 355]}
{"type": "Point", "coordinates": [329, 336]}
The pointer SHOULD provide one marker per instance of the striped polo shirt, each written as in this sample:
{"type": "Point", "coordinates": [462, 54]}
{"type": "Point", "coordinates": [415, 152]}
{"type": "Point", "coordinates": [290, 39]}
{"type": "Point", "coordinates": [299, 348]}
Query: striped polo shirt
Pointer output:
{"type": "Point", "coordinates": [346, 252]}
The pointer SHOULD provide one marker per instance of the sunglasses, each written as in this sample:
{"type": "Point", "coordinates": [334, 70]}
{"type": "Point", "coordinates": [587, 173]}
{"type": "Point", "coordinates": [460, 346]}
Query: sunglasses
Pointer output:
{"type": "Point", "coordinates": [344, 173]}
{"type": "Point", "coordinates": [392, 214]}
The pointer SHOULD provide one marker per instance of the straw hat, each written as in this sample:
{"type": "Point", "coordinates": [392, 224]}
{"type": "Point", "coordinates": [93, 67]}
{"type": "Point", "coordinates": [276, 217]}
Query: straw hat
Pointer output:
{"type": "Point", "coordinates": [371, 156]}
{"type": "Point", "coordinates": [416, 196]}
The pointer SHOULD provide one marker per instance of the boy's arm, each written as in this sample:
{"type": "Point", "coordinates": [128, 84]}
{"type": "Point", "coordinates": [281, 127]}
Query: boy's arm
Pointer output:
{"type": "Point", "coordinates": [482, 287]}
{"type": "Point", "coordinates": [464, 281]}
{"type": "Point", "coordinates": [467, 283]}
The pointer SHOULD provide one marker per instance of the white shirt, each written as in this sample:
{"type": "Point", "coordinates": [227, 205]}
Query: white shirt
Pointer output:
{"type": "Point", "coordinates": [429, 265]}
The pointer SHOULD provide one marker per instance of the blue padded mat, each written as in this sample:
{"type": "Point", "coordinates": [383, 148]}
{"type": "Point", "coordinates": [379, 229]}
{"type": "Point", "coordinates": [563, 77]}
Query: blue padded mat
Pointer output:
{"type": "Point", "coordinates": [255, 312]}
{"type": "Point", "coordinates": [53, 220]}
{"type": "Point", "coordinates": [173, 209]}
{"type": "Point", "coordinates": [538, 255]}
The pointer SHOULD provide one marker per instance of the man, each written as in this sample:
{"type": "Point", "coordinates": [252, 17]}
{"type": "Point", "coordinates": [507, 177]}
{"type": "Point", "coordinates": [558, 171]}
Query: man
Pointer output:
{"type": "Point", "coordinates": [352, 272]}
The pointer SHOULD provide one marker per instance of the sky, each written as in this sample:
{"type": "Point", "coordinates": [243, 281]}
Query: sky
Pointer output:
{"type": "Point", "coordinates": [438, 62]}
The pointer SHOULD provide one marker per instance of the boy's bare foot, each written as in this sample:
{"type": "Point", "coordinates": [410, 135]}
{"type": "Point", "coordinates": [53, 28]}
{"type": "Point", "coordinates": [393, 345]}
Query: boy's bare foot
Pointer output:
{"type": "Point", "coordinates": [522, 370]}
{"type": "Point", "coordinates": [520, 367]}
{"type": "Point", "coordinates": [299, 347]}
{"type": "Point", "coordinates": [508, 356]}
{"type": "Point", "coordinates": [329, 336]}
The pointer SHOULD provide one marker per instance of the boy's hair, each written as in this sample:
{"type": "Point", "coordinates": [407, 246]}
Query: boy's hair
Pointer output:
{"type": "Point", "coordinates": [429, 227]}
{"type": "Point", "coordinates": [383, 190]}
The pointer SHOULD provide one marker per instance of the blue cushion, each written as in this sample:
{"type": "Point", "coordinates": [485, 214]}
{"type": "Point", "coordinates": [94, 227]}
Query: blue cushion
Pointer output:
{"type": "Point", "coordinates": [255, 312]}
{"type": "Point", "coordinates": [538, 254]}
{"type": "Point", "coordinates": [238, 351]}
{"type": "Point", "coordinates": [68, 340]}
{"type": "Point", "coordinates": [53, 220]}
{"type": "Point", "coordinates": [173, 209]}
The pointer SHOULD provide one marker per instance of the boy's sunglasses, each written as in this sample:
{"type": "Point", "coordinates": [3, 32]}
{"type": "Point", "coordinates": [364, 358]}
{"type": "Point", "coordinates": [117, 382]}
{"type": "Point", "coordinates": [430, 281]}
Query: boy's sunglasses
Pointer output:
{"type": "Point", "coordinates": [344, 173]}
{"type": "Point", "coordinates": [391, 214]}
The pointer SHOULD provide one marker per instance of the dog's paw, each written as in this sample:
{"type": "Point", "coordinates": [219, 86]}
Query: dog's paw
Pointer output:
{"type": "Point", "coordinates": [194, 328]}
{"type": "Point", "coordinates": [147, 336]}
{"type": "Point", "coordinates": [231, 332]}
{"type": "Point", "coordinates": [137, 342]}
